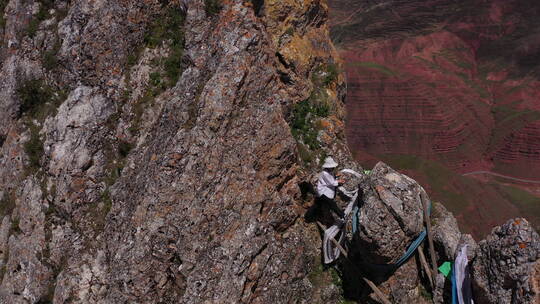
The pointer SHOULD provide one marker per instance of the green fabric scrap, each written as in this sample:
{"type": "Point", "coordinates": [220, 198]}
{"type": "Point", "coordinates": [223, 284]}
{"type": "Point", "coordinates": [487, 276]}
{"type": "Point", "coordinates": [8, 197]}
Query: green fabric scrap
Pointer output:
{"type": "Point", "coordinates": [367, 171]}
{"type": "Point", "coordinates": [445, 268]}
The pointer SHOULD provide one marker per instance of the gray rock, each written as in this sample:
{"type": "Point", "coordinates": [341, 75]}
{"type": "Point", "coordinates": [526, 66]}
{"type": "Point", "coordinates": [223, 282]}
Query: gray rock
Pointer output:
{"type": "Point", "coordinates": [446, 234]}
{"type": "Point", "coordinates": [26, 277]}
{"type": "Point", "coordinates": [506, 267]}
{"type": "Point", "coordinates": [391, 217]}
{"type": "Point", "coordinates": [70, 131]}
{"type": "Point", "coordinates": [201, 203]}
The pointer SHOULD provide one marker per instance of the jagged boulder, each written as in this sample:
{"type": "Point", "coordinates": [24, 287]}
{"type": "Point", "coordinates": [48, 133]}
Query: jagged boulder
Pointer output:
{"type": "Point", "coordinates": [391, 216]}
{"type": "Point", "coordinates": [507, 265]}
{"type": "Point", "coordinates": [446, 239]}
{"type": "Point", "coordinates": [446, 234]}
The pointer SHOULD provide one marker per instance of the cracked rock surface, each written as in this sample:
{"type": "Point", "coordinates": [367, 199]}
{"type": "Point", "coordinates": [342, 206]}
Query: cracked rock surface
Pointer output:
{"type": "Point", "coordinates": [506, 267]}
{"type": "Point", "coordinates": [146, 153]}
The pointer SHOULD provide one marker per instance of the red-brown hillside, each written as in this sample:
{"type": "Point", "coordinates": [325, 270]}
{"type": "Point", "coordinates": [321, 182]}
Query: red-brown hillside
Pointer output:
{"type": "Point", "coordinates": [449, 82]}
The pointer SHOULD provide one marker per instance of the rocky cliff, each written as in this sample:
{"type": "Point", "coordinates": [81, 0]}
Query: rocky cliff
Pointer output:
{"type": "Point", "coordinates": [146, 150]}
{"type": "Point", "coordinates": [161, 152]}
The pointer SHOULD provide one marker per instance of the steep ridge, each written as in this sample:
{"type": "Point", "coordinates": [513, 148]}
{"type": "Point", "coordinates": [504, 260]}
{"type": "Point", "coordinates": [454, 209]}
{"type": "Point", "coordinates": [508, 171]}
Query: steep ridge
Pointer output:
{"type": "Point", "coordinates": [147, 155]}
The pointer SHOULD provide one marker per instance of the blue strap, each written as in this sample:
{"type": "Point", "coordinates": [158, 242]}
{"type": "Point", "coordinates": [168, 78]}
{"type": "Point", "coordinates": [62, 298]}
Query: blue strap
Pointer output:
{"type": "Point", "coordinates": [454, 287]}
{"type": "Point", "coordinates": [410, 251]}
{"type": "Point", "coordinates": [412, 248]}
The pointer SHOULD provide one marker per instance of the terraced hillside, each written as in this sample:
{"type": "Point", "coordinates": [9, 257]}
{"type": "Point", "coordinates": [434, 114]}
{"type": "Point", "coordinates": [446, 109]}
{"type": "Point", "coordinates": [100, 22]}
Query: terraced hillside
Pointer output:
{"type": "Point", "coordinates": [455, 83]}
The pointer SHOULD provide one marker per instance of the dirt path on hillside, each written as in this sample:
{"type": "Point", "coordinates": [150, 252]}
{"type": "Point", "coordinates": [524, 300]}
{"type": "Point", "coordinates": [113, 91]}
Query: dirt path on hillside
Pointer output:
{"type": "Point", "coordinates": [503, 176]}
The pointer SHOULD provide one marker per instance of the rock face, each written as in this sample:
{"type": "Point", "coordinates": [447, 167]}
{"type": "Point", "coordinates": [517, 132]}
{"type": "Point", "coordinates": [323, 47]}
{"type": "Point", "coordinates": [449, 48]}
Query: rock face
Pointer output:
{"type": "Point", "coordinates": [147, 153]}
{"type": "Point", "coordinates": [506, 267]}
{"type": "Point", "coordinates": [446, 234]}
{"type": "Point", "coordinates": [390, 218]}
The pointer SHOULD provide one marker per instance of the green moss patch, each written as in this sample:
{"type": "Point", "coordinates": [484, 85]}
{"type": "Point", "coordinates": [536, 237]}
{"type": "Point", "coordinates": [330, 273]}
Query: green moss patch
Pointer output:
{"type": "Point", "coordinates": [15, 229]}
{"type": "Point", "coordinates": [34, 149]}
{"type": "Point", "coordinates": [34, 94]}
{"type": "Point", "coordinates": [304, 115]}
{"type": "Point", "coordinates": [138, 109]}
{"type": "Point", "coordinates": [7, 204]}
{"type": "Point", "coordinates": [376, 67]}
{"type": "Point", "coordinates": [3, 4]}
{"type": "Point", "coordinates": [124, 148]}
{"type": "Point", "coordinates": [326, 74]}
{"type": "Point", "coordinates": [167, 27]}
{"type": "Point", "coordinates": [49, 59]}
{"type": "Point", "coordinates": [42, 15]}
{"type": "Point", "coordinates": [38, 100]}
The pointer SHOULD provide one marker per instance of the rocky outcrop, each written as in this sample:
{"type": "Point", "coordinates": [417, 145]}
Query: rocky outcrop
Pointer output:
{"type": "Point", "coordinates": [390, 218]}
{"type": "Point", "coordinates": [446, 233]}
{"type": "Point", "coordinates": [506, 267]}
{"type": "Point", "coordinates": [147, 153]}
{"type": "Point", "coordinates": [503, 267]}
{"type": "Point", "coordinates": [391, 215]}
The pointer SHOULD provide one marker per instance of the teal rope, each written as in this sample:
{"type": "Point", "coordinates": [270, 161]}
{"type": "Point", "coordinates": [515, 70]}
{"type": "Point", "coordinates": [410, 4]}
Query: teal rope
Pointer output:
{"type": "Point", "coordinates": [454, 287]}
{"type": "Point", "coordinates": [414, 245]}
{"type": "Point", "coordinates": [410, 250]}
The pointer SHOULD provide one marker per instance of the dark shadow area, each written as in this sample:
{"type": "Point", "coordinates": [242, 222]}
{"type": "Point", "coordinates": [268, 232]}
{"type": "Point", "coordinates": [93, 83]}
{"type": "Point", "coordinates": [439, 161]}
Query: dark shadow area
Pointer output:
{"type": "Point", "coordinates": [353, 269]}
{"type": "Point", "coordinates": [318, 212]}
{"type": "Point", "coordinates": [447, 290]}
{"type": "Point", "coordinates": [258, 6]}
{"type": "Point", "coordinates": [306, 189]}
